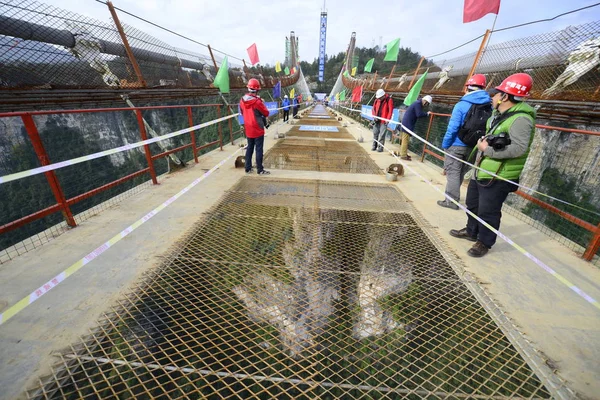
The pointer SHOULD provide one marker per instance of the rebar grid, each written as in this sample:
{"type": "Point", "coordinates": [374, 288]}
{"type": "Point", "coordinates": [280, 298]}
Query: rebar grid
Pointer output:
{"type": "Point", "coordinates": [320, 155]}
{"type": "Point", "coordinates": [284, 301]}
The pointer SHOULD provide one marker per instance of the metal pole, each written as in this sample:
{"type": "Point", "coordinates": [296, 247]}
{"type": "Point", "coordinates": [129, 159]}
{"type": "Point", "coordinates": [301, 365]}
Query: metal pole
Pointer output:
{"type": "Point", "coordinates": [220, 127]}
{"type": "Point", "coordinates": [478, 55]}
{"type": "Point", "coordinates": [427, 137]}
{"type": "Point", "coordinates": [40, 151]}
{"type": "Point", "coordinates": [416, 72]}
{"type": "Point", "coordinates": [213, 58]}
{"type": "Point", "coordinates": [390, 77]}
{"type": "Point", "coordinates": [192, 134]}
{"type": "Point", "coordinates": [144, 136]}
{"type": "Point", "coordinates": [594, 245]}
{"type": "Point", "coordinates": [132, 59]}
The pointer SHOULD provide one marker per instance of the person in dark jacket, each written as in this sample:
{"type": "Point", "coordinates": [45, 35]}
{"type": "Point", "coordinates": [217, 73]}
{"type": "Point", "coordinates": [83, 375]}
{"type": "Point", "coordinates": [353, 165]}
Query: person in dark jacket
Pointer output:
{"type": "Point", "coordinates": [286, 108]}
{"type": "Point", "coordinates": [296, 104]}
{"type": "Point", "coordinates": [383, 107]}
{"type": "Point", "coordinates": [454, 169]}
{"type": "Point", "coordinates": [512, 119]}
{"type": "Point", "coordinates": [255, 113]}
{"type": "Point", "coordinates": [413, 112]}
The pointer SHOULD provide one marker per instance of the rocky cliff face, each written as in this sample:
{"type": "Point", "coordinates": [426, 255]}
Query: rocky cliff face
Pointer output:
{"type": "Point", "coordinates": [564, 165]}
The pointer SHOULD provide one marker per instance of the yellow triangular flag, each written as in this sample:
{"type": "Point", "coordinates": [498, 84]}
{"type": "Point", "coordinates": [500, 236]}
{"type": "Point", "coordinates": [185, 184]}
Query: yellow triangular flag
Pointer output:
{"type": "Point", "coordinates": [353, 71]}
{"type": "Point", "coordinates": [292, 92]}
{"type": "Point", "coordinates": [278, 67]}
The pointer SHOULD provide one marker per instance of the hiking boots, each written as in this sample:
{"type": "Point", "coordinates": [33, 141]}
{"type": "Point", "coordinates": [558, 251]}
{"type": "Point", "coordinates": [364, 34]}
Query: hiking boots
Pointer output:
{"type": "Point", "coordinates": [478, 250]}
{"type": "Point", "coordinates": [263, 172]}
{"type": "Point", "coordinates": [447, 204]}
{"type": "Point", "coordinates": [462, 234]}
{"type": "Point", "coordinates": [406, 158]}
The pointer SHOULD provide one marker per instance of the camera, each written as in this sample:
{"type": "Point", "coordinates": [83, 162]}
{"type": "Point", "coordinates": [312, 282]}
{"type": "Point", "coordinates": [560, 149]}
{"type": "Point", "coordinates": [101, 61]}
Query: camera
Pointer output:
{"type": "Point", "coordinates": [266, 122]}
{"type": "Point", "coordinates": [499, 141]}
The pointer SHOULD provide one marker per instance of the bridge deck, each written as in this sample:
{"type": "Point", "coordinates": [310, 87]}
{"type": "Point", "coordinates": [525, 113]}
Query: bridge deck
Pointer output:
{"type": "Point", "coordinates": [562, 326]}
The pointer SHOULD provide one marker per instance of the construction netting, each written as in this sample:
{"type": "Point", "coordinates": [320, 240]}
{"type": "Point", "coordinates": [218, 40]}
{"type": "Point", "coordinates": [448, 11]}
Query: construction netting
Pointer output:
{"type": "Point", "coordinates": [564, 65]}
{"type": "Point", "coordinates": [301, 289]}
{"type": "Point", "coordinates": [45, 47]}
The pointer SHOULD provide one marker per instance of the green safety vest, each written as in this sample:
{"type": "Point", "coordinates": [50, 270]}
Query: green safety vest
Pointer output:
{"type": "Point", "coordinates": [509, 168]}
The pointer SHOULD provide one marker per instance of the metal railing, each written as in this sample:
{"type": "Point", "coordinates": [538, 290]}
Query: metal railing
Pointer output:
{"type": "Point", "coordinates": [435, 136]}
{"type": "Point", "coordinates": [577, 229]}
{"type": "Point", "coordinates": [66, 184]}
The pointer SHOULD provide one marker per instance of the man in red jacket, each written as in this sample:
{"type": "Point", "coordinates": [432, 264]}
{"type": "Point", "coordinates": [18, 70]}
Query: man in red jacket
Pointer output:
{"type": "Point", "coordinates": [383, 107]}
{"type": "Point", "coordinates": [255, 114]}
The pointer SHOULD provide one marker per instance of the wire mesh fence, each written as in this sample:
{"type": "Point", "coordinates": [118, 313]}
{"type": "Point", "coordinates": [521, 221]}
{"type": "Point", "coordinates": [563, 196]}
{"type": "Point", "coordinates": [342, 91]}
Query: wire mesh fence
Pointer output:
{"type": "Point", "coordinates": [299, 289]}
{"type": "Point", "coordinates": [43, 47]}
{"type": "Point", "coordinates": [563, 63]}
{"type": "Point", "coordinates": [66, 136]}
{"type": "Point", "coordinates": [564, 66]}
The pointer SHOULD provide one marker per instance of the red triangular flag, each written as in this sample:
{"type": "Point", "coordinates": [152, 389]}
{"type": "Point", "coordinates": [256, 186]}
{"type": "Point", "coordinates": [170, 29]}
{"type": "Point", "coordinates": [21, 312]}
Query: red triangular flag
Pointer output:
{"type": "Point", "coordinates": [253, 54]}
{"type": "Point", "coordinates": [357, 94]}
{"type": "Point", "coordinates": [475, 9]}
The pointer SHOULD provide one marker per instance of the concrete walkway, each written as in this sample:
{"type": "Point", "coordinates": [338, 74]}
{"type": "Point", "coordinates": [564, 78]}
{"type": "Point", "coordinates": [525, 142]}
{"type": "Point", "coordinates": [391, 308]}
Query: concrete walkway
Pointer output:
{"type": "Point", "coordinates": [558, 322]}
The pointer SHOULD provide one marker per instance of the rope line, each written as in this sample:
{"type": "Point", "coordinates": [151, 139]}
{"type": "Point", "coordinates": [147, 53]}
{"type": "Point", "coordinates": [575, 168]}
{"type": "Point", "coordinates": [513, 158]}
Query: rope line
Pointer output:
{"type": "Point", "coordinates": [526, 188]}
{"type": "Point", "coordinates": [78, 160]}
{"type": "Point", "coordinates": [521, 250]}
{"type": "Point", "coordinates": [61, 277]}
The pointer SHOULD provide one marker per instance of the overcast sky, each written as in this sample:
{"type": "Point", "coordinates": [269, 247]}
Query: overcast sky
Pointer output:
{"type": "Point", "coordinates": [426, 26]}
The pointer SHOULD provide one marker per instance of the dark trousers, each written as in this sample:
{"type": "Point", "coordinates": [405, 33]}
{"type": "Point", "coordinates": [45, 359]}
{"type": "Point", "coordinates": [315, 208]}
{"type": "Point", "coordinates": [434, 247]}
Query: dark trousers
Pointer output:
{"type": "Point", "coordinates": [258, 142]}
{"type": "Point", "coordinates": [286, 115]}
{"type": "Point", "coordinates": [485, 199]}
{"type": "Point", "coordinates": [296, 111]}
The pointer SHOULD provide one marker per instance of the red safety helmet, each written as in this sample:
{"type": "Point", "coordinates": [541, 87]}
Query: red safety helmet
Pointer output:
{"type": "Point", "coordinates": [477, 80]}
{"type": "Point", "coordinates": [253, 84]}
{"type": "Point", "coordinates": [518, 85]}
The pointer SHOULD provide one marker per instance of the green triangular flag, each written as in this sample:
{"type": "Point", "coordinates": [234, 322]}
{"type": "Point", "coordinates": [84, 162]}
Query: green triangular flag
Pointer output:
{"type": "Point", "coordinates": [412, 96]}
{"type": "Point", "coordinates": [346, 74]}
{"type": "Point", "coordinates": [343, 95]}
{"type": "Point", "coordinates": [393, 48]}
{"type": "Point", "coordinates": [222, 78]}
{"type": "Point", "coordinates": [369, 65]}
{"type": "Point", "coordinates": [286, 70]}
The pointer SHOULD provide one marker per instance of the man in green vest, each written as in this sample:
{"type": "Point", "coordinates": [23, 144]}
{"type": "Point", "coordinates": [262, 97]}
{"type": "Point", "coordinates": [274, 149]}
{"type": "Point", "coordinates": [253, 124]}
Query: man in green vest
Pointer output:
{"type": "Point", "coordinates": [503, 152]}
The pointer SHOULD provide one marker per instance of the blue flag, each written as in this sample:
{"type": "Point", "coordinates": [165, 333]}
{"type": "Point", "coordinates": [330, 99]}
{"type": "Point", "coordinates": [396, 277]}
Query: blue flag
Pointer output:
{"type": "Point", "coordinates": [277, 90]}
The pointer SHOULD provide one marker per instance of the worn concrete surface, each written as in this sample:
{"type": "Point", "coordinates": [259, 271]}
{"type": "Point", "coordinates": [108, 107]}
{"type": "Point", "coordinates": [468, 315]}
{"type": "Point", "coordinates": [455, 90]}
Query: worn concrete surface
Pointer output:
{"type": "Point", "coordinates": [559, 323]}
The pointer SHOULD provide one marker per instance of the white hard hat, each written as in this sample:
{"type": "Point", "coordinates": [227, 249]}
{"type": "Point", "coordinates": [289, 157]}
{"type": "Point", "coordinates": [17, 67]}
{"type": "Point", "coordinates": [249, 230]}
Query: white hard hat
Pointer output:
{"type": "Point", "coordinates": [285, 97]}
{"type": "Point", "coordinates": [379, 93]}
{"type": "Point", "coordinates": [428, 99]}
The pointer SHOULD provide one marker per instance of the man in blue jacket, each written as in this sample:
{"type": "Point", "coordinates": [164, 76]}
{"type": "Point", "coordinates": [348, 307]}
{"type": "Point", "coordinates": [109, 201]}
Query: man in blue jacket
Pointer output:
{"type": "Point", "coordinates": [454, 169]}
{"type": "Point", "coordinates": [286, 108]}
{"type": "Point", "coordinates": [409, 120]}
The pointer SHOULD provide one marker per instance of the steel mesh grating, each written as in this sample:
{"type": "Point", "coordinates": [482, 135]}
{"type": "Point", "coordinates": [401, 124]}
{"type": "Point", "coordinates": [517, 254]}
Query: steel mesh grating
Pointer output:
{"type": "Point", "coordinates": [320, 155]}
{"type": "Point", "coordinates": [342, 134]}
{"type": "Point", "coordinates": [297, 299]}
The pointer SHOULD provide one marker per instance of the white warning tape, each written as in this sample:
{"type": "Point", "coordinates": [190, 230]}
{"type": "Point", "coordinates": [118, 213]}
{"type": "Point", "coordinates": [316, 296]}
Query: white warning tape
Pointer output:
{"type": "Point", "coordinates": [55, 281]}
{"type": "Point", "coordinates": [537, 261]}
{"type": "Point", "coordinates": [51, 167]}
{"type": "Point", "coordinates": [525, 188]}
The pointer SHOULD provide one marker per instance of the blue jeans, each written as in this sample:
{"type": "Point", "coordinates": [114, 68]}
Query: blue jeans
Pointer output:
{"type": "Point", "coordinates": [258, 142]}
